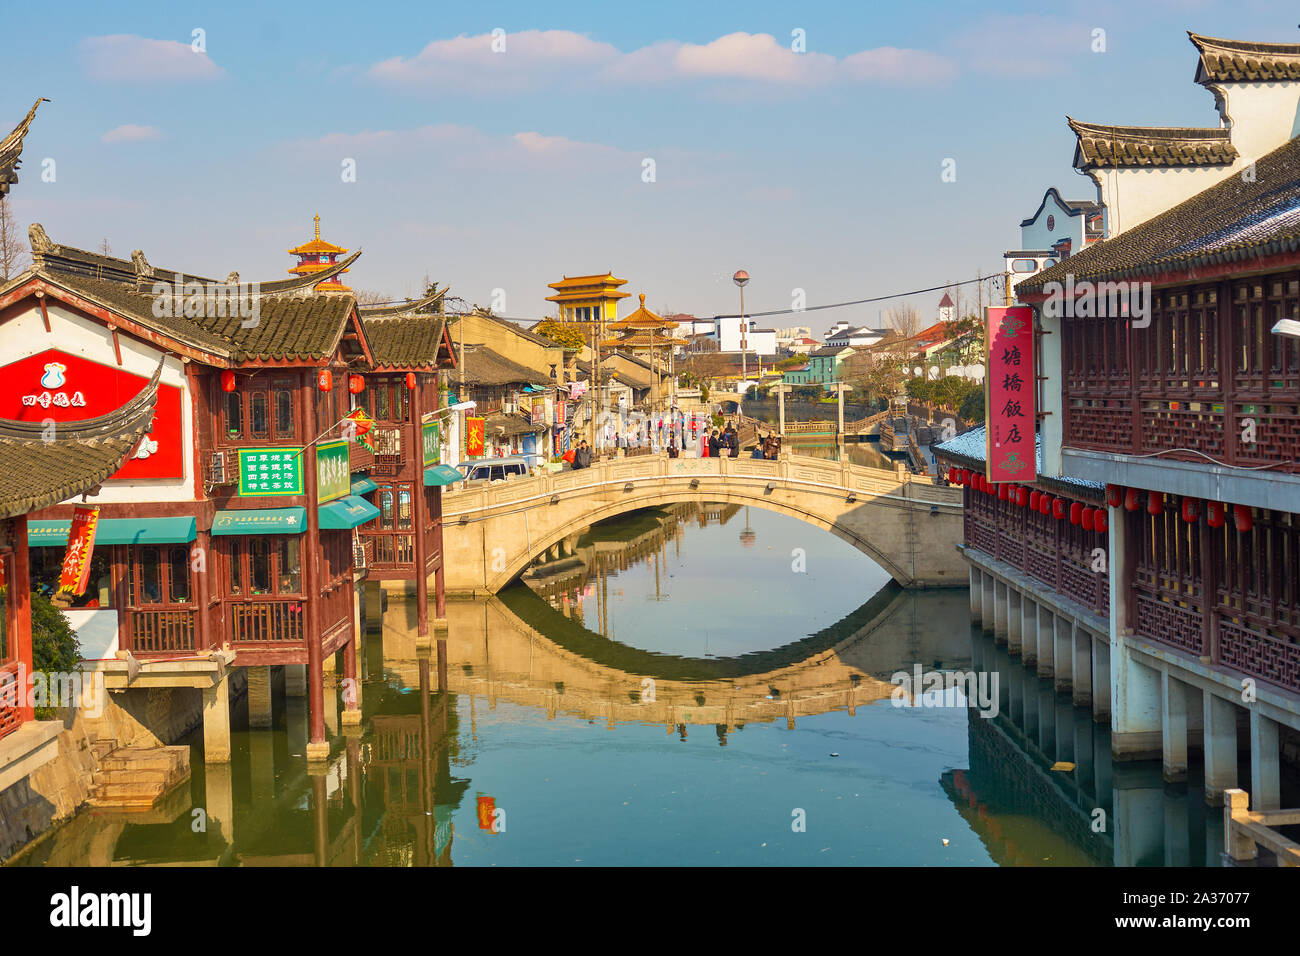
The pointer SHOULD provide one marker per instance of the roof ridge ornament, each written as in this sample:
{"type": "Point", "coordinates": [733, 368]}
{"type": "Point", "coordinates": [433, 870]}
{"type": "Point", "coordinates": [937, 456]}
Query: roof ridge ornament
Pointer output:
{"type": "Point", "coordinates": [11, 148]}
{"type": "Point", "coordinates": [42, 244]}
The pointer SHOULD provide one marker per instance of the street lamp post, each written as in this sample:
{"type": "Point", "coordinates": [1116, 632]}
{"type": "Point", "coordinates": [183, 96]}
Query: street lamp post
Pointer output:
{"type": "Point", "coordinates": [741, 278]}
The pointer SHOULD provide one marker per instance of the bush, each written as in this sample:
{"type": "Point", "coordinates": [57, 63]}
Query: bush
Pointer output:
{"type": "Point", "coordinates": [55, 648]}
{"type": "Point", "coordinates": [972, 407]}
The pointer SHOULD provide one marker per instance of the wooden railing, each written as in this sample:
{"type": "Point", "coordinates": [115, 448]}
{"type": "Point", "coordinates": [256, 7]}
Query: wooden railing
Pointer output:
{"type": "Point", "coordinates": [389, 550]}
{"type": "Point", "coordinates": [161, 631]}
{"type": "Point", "coordinates": [11, 718]}
{"type": "Point", "coordinates": [267, 622]}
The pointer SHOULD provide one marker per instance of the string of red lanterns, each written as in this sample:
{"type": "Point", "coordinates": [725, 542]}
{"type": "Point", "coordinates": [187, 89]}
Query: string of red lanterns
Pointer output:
{"type": "Point", "coordinates": [1096, 519]}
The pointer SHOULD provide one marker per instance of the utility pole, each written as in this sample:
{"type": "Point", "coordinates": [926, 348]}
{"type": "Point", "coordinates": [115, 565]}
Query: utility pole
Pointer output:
{"type": "Point", "coordinates": [741, 278]}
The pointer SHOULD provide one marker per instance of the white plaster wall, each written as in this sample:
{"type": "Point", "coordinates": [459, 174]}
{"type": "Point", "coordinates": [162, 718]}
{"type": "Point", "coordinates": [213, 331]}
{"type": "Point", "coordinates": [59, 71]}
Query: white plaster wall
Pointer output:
{"type": "Point", "coordinates": [1263, 116]}
{"type": "Point", "coordinates": [25, 335]}
{"type": "Point", "coordinates": [1132, 196]}
{"type": "Point", "coordinates": [1037, 236]}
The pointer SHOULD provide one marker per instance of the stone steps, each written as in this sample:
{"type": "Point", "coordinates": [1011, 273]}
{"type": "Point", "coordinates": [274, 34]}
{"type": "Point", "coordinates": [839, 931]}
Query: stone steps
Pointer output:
{"type": "Point", "coordinates": [135, 778]}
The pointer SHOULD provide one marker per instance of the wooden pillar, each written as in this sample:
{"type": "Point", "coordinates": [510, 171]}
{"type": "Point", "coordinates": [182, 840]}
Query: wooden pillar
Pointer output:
{"type": "Point", "coordinates": [351, 687]}
{"type": "Point", "coordinates": [439, 574]}
{"type": "Point", "coordinates": [317, 747]}
{"type": "Point", "coordinates": [21, 588]}
{"type": "Point", "coordinates": [204, 638]}
{"type": "Point", "coordinates": [421, 520]}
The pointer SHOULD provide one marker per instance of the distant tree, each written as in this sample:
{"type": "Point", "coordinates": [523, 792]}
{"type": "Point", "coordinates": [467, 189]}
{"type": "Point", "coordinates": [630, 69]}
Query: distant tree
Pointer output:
{"type": "Point", "coordinates": [904, 319]}
{"type": "Point", "coordinates": [13, 250]}
{"type": "Point", "coordinates": [104, 248]}
{"type": "Point", "coordinates": [562, 333]}
{"type": "Point", "coordinates": [972, 407]}
{"type": "Point", "coordinates": [366, 297]}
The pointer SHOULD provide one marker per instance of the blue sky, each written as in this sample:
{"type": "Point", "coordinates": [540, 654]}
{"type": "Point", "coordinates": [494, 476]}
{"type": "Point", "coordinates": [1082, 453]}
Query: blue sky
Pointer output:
{"type": "Point", "coordinates": [504, 170]}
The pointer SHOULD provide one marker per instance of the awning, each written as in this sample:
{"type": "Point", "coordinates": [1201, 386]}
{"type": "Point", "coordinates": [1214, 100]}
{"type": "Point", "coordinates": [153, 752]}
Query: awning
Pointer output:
{"type": "Point", "coordinates": [363, 485]}
{"type": "Point", "coordinates": [46, 534]}
{"type": "Point", "coordinates": [347, 512]}
{"type": "Point", "coordinates": [260, 521]}
{"type": "Point", "coordinates": [439, 475]}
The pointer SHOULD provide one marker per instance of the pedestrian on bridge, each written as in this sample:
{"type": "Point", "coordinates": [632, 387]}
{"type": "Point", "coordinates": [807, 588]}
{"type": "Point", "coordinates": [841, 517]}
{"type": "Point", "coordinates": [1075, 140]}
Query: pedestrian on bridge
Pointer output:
{"type": "Point", "coordinates": [714, 444]}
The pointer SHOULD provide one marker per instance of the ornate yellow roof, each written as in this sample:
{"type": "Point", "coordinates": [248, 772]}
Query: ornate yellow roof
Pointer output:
{"type": "Point", "coordinates": [576, 288]}
{"type": "Point", "coordinates": [316, 246]}
{"type": "Point", "coordinates": [642, 318]}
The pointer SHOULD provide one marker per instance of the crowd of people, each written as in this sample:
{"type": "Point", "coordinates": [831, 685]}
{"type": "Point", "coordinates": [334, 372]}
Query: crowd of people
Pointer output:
{"type": "Point", "coordinates": [715, 443]}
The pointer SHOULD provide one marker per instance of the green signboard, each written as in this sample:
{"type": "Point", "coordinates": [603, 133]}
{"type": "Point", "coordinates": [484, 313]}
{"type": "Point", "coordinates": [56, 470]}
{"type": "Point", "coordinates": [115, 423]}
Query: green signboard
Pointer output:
{"type": "Point", "coordinates": [431, 455]}
{"type": "Point", "coordinates": [333, 476]}
{"type": "Point", "coordinates": [270, 471]}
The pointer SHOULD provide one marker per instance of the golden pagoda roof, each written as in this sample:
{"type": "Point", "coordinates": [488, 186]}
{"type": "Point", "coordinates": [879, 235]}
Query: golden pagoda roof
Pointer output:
{"type": "Point", "coordinates": [648, 339]}
{"type": "Point", "coordinates": [642, 318]}
{"type": "Point", "coordinates": [316, 246]}
{"type": "Point", "coordinates": [572, 288]}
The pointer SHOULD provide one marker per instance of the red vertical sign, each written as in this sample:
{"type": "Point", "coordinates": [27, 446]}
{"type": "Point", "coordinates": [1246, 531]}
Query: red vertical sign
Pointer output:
{"type": "Point", "coordinates": [474, 437]}
{"type": "Point", "coordinates": [1009, 389]}
{"type": "Point", "coordinates": [487, 808]}
{"type": "Point", "coordinates": [81, 545]}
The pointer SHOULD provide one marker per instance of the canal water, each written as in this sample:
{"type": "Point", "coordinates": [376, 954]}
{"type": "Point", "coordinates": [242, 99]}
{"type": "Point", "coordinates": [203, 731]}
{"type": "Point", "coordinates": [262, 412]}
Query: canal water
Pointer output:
{"type": "Point", "coordinates": [701, 685]}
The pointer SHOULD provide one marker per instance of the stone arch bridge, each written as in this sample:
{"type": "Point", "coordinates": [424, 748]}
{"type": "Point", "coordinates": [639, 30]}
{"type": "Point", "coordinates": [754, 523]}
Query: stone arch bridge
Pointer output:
{"type": "Point", "coordinates": [908, 524]}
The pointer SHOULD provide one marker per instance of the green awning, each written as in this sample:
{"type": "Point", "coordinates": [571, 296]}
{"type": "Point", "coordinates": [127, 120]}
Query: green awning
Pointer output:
{"type": "Point", "coordinates": [439, 475]}
{"type": "Point", "coordinates": [46, 534]}
{"type": "Point", "coordinates": [363, 485]}
{"type": "Point", "coordinates": [347, 512]}
{"type": "Point", "coordinates": [260, 521]}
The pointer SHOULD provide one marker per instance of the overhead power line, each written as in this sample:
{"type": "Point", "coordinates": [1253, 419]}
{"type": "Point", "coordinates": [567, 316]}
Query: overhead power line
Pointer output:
{"type": "Point", "coordinates": [878, 298]}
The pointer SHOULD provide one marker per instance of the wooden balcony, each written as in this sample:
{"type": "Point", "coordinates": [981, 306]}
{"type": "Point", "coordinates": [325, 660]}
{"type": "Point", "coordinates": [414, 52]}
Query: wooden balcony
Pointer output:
{"type": "Point", "coordinates": [157, 631]}
{"type": "Point", "coordinates": [267, 623]}
{"type": "Point", "coordinates": [11, 718]}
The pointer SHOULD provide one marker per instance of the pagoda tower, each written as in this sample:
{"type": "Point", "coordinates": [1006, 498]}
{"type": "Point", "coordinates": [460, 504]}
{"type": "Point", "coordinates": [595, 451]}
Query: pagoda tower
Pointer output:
{"type": "Point", "coordinates": [645, 332]}
{"type": "Point", "coordinates": [316, 256]}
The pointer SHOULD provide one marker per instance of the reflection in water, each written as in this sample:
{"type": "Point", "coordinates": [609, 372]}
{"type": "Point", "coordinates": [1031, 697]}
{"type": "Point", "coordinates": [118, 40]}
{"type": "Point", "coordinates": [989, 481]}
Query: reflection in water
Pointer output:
{"type": "Point", "coordinates": [583, 750]}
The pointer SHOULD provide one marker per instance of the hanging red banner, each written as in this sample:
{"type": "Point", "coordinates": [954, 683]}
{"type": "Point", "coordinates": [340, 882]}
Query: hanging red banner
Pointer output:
{"type": "Point", "coordinates": [81, 545]}
{"type": "Point", "coordinates": [474, 437]}
{"type": "Point", "coordinates": [1009, 388]}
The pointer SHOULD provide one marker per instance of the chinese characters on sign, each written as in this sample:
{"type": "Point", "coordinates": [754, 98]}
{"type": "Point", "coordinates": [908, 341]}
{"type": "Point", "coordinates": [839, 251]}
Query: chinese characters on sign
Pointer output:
{"type": "Point", "coordinates": [474, 437]}
{"type": "Point", "coordinates": [1010, 387]}
{"type": "Point", "coordinates": [81, 545]}
{"type": "Point", "coordinates": [333, 477]}
{"type": "Point", "coordinates": [431, 442]}
{"type": "Point", "coordinates": [270, 471]}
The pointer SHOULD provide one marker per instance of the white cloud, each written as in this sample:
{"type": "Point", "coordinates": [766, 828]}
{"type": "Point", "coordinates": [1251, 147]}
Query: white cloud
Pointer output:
{"type": "Point", "coordinates": [131, 133]}
{"type": "Point", "coordinates": [124, 57]}
{"type": "Point", "coordinates": [534, 58]}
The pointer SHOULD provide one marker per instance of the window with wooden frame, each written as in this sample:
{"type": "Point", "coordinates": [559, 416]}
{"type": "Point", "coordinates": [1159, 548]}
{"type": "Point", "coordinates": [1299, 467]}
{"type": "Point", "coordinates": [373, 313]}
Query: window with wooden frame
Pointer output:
{"type": "Point", "coordinates": [263, 565]}
{"type": "Point", "coordinates": [261, 409]}
{"type": "Point", "coordinates": [390, 399]}
{"type": "Point", "coordinates": [160, 575]}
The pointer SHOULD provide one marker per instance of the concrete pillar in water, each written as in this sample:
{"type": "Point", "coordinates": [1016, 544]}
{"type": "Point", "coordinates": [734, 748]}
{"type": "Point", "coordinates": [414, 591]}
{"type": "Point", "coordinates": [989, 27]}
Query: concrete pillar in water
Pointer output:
{"type": "Point", "coordinates": [1000, 615]}
{"type": "Point", "coordinates": [1139, 817]}
{"type": "Point", "coordinates": [976, 594]}
{"type": "Point", "coordinates": [351, 685]}
{"type": "Point", "coordinates": [216, 722]}
{"type": "Point", "coordinates": [986, 601]}
{"type": "Point", "coordinates": [1063, 656]}
{"type": "Point", "coordinates": [1081, 673]}
{"type": "Point", "coordinates": [1064, 730]}
{"type": "Point", "coordinates": [1029, 632]}
{"type": "Point", "coordinates": [295, 680]}
{"type": "Point", "coordinates": [219, 797]}
{"type": "Point", "coordinates": [1220, 736]}
{"type": "Point", "coordinates": [1046, 642]}
{"type": "Point", "coordinates": [1014, 619]}
{"type": "Point", "coordinates": [259, 698]}
{"type": "Point", "coordinates": [1134, 688]}
{"type": "Point", "coordinates": [1030, 724]}
{"type": "Point", "coordinates": [1015, 678]}
{"type": "Point", "coordinates": [1101, 680]}
{"type": "Point", "coordinates": [1178, 838]}
{"type": "Point", "coordinates": [1173, 696]}
{"type": "Point", "coordinates": [1265, 780]}
{"type": "Point", "coordinates": [1046, 719]}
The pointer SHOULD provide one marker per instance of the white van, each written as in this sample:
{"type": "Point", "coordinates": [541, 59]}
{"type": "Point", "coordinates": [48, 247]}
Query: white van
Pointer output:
{"type": "Point", "coordinates": [493, 469]}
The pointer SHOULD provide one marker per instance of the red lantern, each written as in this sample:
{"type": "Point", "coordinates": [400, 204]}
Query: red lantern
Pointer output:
{"type": "Point", "coordinates": [1022, 496]}
{"type": "Point", "coordinates": [1058, 508]}
{"type": "Point", "coordinates": [1100, 522]}
{"type": "Point", "coordinates": [952, 476]}
{"type": "Point", "coordinates": [410, 383]}
{"type": "Point", "coordinates": [1003, 491]}
{"type": "Point", "coordinates": [1132, 501]}
{"type": "Point", "coordinates": [1114, 495]}
{"type": "Point", "coordinates": [325, 380]}
{"type": "Point", "coordinates": [1076, 512]}
{"type": "Point", "coordinates": [1045, 504]}
{"type": "Point", "coordinates": [356, 384]}
{"type": "Point", "coordinates": [1244, 517]}
{"type": "Point", "coordinates": [1191, 509]}
{"type": "Point", "coordinates": [1155, 502]}
{"type": "Point", "coordinates": [1035, 499]}
{"type": "Point", "coordinates": [1088, 519]}
{"type": "Point", "coordinates": [1214, 514]}
{"type": "Point", "coordinates": [227, 380]}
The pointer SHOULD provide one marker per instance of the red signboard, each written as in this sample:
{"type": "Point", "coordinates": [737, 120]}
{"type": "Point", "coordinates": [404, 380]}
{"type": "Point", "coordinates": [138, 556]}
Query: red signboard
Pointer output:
{"type": "Point", "coordinates": [81, 545]}
{"type": "Point", "coordinates": [60, 387]}
{"type": "Point", "coordinates": [474, 437]}
{"type": "Point", "coordinates": [1009, 388]}
{"type": "Point", "coordinates": [487, 807]}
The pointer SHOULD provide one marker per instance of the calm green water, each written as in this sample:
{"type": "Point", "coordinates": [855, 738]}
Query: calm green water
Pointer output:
{"type": "Point", "coordinates": [673, 691]}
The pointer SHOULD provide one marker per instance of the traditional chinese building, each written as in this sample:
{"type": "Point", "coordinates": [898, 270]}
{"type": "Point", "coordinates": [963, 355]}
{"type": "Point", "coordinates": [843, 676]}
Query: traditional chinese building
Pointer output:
{"type": "Point", "coordinates": [649, 335]}
{"type": "Point", "coordinates": [319, 256]}
{"type": "Point", "coordinates": [1150, 564]}
{"type": "Point", "coordinates": [230, 538]}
